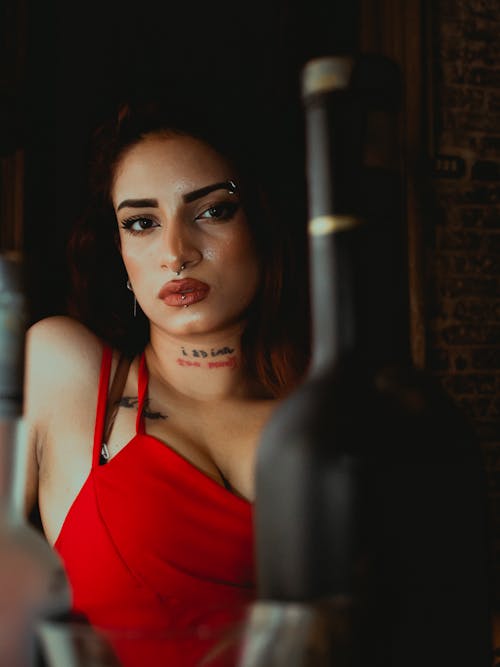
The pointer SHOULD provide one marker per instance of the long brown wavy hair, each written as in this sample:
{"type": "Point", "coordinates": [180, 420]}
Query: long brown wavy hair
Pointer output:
{"type": "Point", "coordinates": [275, 341]}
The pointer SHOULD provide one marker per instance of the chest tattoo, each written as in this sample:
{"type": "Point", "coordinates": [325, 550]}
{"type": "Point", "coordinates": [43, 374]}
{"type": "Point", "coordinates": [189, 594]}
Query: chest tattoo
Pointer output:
{"type": "Point", "coordinates": [133, 402]}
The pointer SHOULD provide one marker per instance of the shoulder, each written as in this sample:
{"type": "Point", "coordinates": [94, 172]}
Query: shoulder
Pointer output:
{"type": "Point", "coordinates": [62, 338]}
{"type": "Point", "coordinates": [60, 329]}
{"type": "Point", "coordinates": [61, 353]}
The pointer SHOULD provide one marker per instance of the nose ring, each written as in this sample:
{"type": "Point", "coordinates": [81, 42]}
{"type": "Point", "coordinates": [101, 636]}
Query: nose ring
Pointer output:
{"type": "Point", "coordinates": [181, 268]}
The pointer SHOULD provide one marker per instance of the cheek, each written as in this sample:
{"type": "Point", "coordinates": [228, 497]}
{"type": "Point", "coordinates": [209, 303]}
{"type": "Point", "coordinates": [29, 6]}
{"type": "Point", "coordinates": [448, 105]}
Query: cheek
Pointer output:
{"type": "Point", "coordinates": [238, 249]}
{"type": "Point", "coordinates": [246, 256]}
{"type": "Point", "coordinates": [134, 256]}
{"type": "Point", "coordinates": [246, 267]}
{"type": "Point", "coordinates": [129, 262]}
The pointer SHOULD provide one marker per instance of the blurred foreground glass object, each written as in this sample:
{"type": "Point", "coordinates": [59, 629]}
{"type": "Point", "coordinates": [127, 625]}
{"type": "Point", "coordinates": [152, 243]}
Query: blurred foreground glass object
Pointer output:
{"type": "Point", "coordinates": [72, 644]}
{"type": "Point", "coordinates": [33, 583]}
{"type": "Point", "coordinates": [371, 503]}
{"type": "Point", "coordinates": [78, 644]}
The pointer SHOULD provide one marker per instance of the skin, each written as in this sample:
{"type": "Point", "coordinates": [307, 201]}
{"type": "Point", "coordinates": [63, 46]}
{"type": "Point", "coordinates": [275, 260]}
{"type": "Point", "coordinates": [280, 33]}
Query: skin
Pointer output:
{"type": "Point", "coordinates": [201, 402]}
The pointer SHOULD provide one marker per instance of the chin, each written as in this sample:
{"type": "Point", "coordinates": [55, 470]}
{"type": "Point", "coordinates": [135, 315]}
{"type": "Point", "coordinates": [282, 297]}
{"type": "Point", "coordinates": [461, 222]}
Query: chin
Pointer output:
{"type": "Point", "coordinates": [209, 325]}
{"type": "Point", "coordinates": [200, 319]}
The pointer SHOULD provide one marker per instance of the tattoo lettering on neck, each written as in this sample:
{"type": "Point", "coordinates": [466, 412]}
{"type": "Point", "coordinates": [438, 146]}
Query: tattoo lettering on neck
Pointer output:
{"type": "Point", "coordinates": [215, 352]}
{"type": "Point", "coordinates": [133, 402]}
{"type": "Point", "coordinates": [203, 354]}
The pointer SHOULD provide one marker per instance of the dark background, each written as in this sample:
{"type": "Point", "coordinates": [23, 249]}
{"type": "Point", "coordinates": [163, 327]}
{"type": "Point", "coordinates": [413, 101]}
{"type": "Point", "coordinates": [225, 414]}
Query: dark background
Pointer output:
{"type": "Point", "coordinates": [81, 58]}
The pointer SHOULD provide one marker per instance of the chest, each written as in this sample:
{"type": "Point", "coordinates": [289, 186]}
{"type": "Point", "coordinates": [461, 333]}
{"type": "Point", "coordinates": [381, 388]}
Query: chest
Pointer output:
{"type": "Point", "coordinates": [220, 439]}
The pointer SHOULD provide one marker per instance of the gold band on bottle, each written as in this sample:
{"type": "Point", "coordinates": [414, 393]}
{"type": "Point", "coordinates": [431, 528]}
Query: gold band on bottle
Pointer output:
{"type": "Point", "coordinates": [326, 224]}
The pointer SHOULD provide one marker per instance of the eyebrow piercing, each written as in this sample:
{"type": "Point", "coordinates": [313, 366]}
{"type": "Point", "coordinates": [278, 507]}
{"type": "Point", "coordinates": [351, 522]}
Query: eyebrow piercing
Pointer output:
{"type": "Point", "coordinates": [229, 185]}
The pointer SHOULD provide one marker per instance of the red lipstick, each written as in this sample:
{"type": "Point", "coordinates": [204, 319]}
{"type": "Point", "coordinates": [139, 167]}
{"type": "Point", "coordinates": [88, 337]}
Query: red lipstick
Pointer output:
{"type": "Point", "coordinates": [183, 292]}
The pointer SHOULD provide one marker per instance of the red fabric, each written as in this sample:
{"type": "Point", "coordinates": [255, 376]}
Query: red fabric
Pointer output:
{"type": "Point", "coordinates": [159, 556]}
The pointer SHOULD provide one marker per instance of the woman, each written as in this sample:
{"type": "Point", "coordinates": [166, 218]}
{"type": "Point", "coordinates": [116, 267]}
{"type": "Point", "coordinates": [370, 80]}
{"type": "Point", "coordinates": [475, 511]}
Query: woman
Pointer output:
{"type": "Point", "coordinates": [146, 491]}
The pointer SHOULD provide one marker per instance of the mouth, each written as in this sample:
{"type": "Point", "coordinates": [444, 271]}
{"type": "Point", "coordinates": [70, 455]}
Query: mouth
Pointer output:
{"type": "Point", "coordinates": [185, 292]}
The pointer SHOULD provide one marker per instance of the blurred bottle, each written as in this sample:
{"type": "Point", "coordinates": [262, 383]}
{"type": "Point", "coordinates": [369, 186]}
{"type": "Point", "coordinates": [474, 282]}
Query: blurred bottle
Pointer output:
{"type": "Point", "coordinates": [371, 505]}
{"type": "Point", "coordinates": [33, 583]}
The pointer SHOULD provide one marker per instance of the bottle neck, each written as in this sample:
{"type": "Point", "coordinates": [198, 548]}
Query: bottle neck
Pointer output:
{"type": "Point", "coordinates": [356, 243]}
{"type": "Point", "coordinates": [332, 297]}
{"type": "Point", "coordinates": [13, 322]}
{"type": "Point", "coordinates": [9, 469]}
{"type": "Point", "coordinates": [330, 261]}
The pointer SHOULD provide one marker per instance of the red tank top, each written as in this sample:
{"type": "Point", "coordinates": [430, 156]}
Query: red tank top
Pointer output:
{"type": "Point", "coordinates": [159, 556]}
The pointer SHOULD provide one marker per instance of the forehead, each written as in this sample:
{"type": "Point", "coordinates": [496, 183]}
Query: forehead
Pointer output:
{"type": "Point", "coordinates": [167, 164]}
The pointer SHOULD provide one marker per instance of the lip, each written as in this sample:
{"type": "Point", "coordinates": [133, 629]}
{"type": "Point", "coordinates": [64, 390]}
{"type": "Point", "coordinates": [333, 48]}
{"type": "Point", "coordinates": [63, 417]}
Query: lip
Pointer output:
{"type": "Point", "coordinates": [183, 292]}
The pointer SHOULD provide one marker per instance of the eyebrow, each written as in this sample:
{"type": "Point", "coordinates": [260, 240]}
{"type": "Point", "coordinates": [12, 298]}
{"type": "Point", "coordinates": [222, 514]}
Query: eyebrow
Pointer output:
{"type": "Point", "coordinates": [230, 186]}
{"type": "Point", "coordinates": [138, 203]}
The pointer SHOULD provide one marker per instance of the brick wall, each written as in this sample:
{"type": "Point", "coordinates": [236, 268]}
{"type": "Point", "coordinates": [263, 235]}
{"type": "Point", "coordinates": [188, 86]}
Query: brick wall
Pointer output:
{"type": "Point", "coordinates": [463, 247]}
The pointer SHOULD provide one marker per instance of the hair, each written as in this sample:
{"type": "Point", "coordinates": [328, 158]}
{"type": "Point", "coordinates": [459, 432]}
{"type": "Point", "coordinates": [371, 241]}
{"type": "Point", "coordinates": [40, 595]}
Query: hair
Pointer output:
{"type": "Point", "coordinates": [275, 342]}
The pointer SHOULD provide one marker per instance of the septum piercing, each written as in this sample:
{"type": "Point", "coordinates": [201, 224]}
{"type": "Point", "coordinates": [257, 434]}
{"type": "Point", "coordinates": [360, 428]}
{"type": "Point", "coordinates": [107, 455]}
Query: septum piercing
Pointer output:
{"type": "Point", "coordinates": [181, 268]}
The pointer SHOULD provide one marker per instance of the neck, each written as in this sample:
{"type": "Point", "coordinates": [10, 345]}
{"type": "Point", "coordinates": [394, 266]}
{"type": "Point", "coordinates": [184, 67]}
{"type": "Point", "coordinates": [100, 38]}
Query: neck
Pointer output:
{"type": "Point", "coordinates": [202, 366]}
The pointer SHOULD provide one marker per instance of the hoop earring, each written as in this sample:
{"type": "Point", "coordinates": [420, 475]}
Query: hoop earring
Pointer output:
{"type": "Point", "coordinates": [129, 287]}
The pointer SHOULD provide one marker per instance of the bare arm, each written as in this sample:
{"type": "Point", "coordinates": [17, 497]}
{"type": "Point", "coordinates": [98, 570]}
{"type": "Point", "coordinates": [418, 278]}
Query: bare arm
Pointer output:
{"type": "Point", "coordinates": [61, 357]}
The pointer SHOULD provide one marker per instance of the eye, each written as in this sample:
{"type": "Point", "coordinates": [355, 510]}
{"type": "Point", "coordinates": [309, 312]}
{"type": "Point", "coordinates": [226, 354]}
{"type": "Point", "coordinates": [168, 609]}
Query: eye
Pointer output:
{"type": "Point", "coordinates": [222, 211]}
{"type": "Point", "coordinates": [139, 224]}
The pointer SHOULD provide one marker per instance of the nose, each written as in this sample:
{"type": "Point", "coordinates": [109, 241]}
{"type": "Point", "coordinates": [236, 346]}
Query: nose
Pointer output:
{"type": "Point", "coordinates": [179, 247]}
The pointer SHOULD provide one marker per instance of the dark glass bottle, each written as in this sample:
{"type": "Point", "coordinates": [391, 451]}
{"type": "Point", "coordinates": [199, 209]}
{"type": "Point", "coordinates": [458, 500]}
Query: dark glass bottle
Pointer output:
{"type": "Point", "coordinates": [371, 506]}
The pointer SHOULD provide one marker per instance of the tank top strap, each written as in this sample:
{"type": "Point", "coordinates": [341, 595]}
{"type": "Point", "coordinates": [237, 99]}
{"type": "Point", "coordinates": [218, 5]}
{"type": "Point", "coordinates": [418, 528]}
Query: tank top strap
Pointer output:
{"type": "Point", "coordinates": [102, 397]}
{"type": "Point", "coordinates": [142, 388]}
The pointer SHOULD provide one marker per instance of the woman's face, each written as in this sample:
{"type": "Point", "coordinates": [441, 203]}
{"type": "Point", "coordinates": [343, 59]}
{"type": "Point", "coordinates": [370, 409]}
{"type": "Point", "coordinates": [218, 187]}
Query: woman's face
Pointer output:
{"type": "Point", "coordinates": [175, 208]}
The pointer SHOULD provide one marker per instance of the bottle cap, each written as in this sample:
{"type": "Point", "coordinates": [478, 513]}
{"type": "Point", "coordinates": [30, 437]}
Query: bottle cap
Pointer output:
{"type": "Point", "coordinates": [326, 74]}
